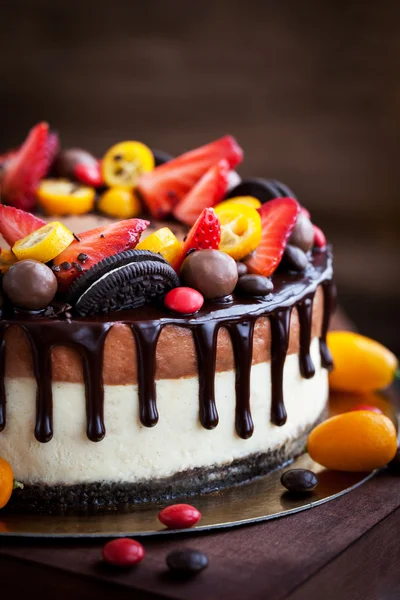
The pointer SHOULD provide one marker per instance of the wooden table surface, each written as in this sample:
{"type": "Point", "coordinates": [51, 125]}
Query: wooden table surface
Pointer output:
{"type": "Point", "coordinates": [345, 549]}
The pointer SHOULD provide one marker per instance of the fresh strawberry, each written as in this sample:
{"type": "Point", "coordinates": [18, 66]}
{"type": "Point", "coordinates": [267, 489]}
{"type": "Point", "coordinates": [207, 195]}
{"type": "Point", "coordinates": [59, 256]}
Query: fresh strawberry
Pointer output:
{"type": "Point", "coordinates": [319, 237]}
{"type": "Point", "coordinates": [95, 245]}
{"type": "Point", "coordinates": [206, 193]}
{"type": "Point", "coordinates": [5, 158]}
{"type": "Point", "coordinates": [164, 187]}
{"type": "Point", "coordinates": [16, 224]}
{"type": "Point", "coordinates": [29, 165]}
{"type": "Point", "coordinates": [278, 217]}
{"type": "Point", "coordinates": [204, 235]}
{"type": "Point", "coordinates": [89, 173]}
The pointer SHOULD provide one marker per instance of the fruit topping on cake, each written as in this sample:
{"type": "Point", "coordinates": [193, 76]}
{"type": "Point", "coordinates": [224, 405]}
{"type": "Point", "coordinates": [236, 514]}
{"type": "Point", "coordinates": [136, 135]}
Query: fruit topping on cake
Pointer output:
{"type": "Point", "coordinates": [205, 234]}
{"type": "Point", "coordinates": [65, 197]}
{"type": "Point", "coordinates": [278, 218]}
{"type": "Point", "coordinates": [94, 246]}
{"type": "Point", "coordinates": [206, 193]}
{"type": "Point", "coordinates": [30, 163]}
{"type": "Point", "coordinates": [79, 165]}
{"type": "Point", "coordinates": [164, 187]}
{"type": "Point", "coordinates": [119, 202]}
{"type": "Point", "coordinates": [16, 224]}
{"type": "Point", "coordinates": [240, 231]}
{"type": "Point", "coordinates": [45, 243]}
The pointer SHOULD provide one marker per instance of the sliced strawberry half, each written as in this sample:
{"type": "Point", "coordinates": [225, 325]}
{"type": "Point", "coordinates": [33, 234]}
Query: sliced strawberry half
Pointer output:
{"type": "Point", "coordinates": [164, 187]}
{"type": "Point", "coordinates": [204, 235]}
{"type": "Point", "coordinates": [278, 217]}
{"type": "Point", "coordinates": [206, 193]}
{"type": "Point", "coordinates": [28, 166]}
{"type": "Point", "coordinates": [95, 245]}
{"type": "Point", "coordinates": [16, 224]}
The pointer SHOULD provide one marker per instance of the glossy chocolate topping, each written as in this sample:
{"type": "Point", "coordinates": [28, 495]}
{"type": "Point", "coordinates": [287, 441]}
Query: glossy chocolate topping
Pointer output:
{"type": "Point", "coordinates": [238, 315]}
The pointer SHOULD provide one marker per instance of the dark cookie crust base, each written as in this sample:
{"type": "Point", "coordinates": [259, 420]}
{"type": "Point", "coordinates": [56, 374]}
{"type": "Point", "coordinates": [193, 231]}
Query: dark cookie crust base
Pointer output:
{"type": "Point", "coordinates": [108, 497]}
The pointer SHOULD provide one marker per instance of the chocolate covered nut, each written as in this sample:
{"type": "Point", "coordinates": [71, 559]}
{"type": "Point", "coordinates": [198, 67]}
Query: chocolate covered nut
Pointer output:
{"type": "Point", "coordinates": [299, 480]}
{"type": "Point", "coordinates": [30, 284]}
{"type": "Point", "coordinates": [211, 272]}
{"type": "Point", "coordinates": [294, 258]}
{"type": "Point", "coordinates": [254, 285]}
{"type": "Point", "coordinates": [303, 233]}
{"type": "Point", "coordinates": [242, 269]}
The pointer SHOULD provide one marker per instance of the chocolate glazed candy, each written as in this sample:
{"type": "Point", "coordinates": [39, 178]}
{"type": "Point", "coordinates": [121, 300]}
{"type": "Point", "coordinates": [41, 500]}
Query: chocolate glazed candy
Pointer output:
{"type": "Point", "coordinates": [87, 335]}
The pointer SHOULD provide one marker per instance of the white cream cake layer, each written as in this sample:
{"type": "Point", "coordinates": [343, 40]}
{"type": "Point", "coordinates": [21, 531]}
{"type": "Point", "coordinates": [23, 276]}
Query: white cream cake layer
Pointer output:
{"type": "Point", "coordinates": [131, 452]}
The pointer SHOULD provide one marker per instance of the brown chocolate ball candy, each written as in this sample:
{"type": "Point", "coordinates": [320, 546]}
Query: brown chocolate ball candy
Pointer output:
{"type": "Point", "coordinates": [211, 272]}
{"type": "Point", "coordinates": [303, 233]}
{"type": "Point", "coordinates": [67, 160]}
{"type": "Point", "coordinates": [254, 285]}
{"type": "Point", "coordinates": [30, 284]}
{"type": "Point", "coordinates": [242, 268]}
{"type": "Point", "coordinates": [294, 258]}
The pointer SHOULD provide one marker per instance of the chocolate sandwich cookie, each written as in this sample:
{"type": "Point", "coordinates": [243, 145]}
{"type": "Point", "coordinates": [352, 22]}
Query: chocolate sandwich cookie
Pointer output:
{"type": "Point", "coordinates": [161, 157]}
{"type": "Point", "coordinates": [123, 281]}
{"type": "Point", "coordinates": [260, 188]}
{"type": "Point", "coordinates": [283, 189]}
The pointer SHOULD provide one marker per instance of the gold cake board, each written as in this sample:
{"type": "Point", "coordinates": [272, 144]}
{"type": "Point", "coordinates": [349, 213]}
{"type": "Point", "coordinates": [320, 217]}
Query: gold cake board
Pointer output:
{"type": "Point", "coordinates": [259, 500]}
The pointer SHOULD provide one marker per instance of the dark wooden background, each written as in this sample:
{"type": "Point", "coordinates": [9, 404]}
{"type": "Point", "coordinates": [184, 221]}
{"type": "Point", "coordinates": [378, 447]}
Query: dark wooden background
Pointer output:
{"type": "Point", "coordinates": [311, 90]}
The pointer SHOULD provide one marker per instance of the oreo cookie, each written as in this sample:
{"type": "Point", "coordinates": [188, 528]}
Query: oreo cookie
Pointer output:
{"type": "Point", "coordinates": [283, 189]}
{"type": "Point", "coordinates": [123, 281]}
{"type": "Point", "coordinates": [263, 189]}
{"type": "Point", "coordinates": [161, 157]}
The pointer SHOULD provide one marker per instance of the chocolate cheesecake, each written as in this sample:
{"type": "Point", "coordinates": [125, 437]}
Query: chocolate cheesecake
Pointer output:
{"type": "Point", "coordinates": [114, 391]}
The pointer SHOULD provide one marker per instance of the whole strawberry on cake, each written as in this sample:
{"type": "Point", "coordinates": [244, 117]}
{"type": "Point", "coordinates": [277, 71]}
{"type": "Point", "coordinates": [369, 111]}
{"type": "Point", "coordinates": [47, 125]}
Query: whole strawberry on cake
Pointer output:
{"type": "Point", "coordinates": [140, 359]}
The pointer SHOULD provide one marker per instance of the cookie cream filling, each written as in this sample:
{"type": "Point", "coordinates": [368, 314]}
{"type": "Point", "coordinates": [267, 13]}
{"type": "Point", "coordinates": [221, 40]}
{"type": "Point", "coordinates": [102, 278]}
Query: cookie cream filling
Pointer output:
{"type": "Point", "coordinates": [131, 452]}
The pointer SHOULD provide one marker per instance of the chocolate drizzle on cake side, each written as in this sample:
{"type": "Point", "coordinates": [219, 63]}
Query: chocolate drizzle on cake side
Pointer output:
{"type": "Point", "coordinates": [87, 337]}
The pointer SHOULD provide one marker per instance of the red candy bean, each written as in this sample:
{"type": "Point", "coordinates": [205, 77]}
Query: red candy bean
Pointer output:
{"type": "Point", "coordinates": [184, 300]}
{"type": "Point", "coordinates": [369, 407]}
{"type": "Point", "coordinates": [319, 237]}
{"type": "Point", "coordinates": [123, 552]}
{"type": "Point", "coordinates": [179, 516]}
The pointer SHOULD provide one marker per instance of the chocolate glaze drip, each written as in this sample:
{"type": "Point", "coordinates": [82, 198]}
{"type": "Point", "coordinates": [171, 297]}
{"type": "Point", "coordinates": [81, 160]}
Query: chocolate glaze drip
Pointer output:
{"type": "Point", "coordinates": [87, 337]}
{"type": "Point", "coordinates": [330, 296]}
{"type": "Point", "coordinates": [304, 310]}
{"type": "Point", "coordinates": [280, 327]}
{"type": "Point", "coordinates": [205, 339]}
{"type": "Point", "coordinates": [242, 340]}
{"type": "Point", "coordinates": [146, 336]}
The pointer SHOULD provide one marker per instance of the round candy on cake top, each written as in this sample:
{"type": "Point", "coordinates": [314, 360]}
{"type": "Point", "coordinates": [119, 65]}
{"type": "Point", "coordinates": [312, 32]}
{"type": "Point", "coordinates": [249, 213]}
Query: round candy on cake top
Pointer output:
{"type": "Point", "coordinates": [254, 285]}
{"type": "Point", "coordinates": [213, 273]}
{"type": "Point", "coordinates": [303, 233]}
{"type": "Point", "coordinates": [184, 300]}
{"type": "Point", "coordinates": [30, 285]}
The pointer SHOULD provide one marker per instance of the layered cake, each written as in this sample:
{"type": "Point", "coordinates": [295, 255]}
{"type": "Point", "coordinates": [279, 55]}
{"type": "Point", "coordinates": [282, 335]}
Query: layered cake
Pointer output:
{"type": "Point", "coordinates": [136, 364]}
